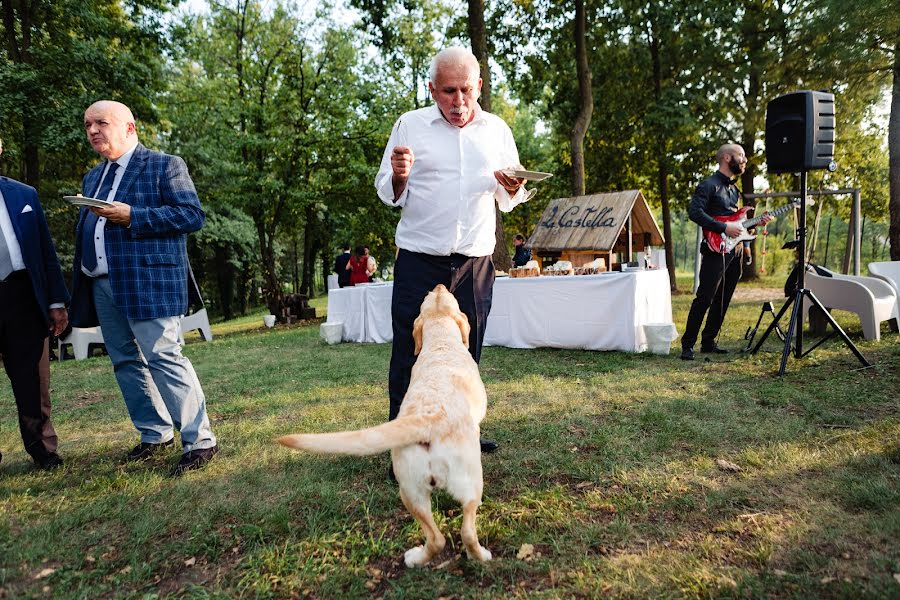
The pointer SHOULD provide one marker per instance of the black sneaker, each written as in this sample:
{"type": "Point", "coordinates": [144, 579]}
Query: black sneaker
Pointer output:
{"type": "Point", "coordinates": [687, 354]}
{"type": "Point", "coordinates": [145, 450]}
{"type": "Point", "coordinates": [714, 349]}
{"type": "Point", "coordinates": [193, 460]}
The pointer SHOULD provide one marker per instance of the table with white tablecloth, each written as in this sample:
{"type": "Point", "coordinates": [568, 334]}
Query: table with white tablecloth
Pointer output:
{"type": "Point", "coordinates": [592, 312]}
{"type": "Point", "coordinates": [365, 311]}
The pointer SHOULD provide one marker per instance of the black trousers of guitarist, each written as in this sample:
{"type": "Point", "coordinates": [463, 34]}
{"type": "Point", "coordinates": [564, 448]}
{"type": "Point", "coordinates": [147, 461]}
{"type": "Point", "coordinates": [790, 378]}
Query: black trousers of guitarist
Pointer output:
{"type": "Point", "coordinates": [719, 275]}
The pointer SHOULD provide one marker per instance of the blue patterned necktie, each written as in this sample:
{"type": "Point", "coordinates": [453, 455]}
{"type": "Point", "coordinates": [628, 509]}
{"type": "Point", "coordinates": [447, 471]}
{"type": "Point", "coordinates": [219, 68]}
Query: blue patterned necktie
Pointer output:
{"type": "Point", "coordinates": [88, 230]}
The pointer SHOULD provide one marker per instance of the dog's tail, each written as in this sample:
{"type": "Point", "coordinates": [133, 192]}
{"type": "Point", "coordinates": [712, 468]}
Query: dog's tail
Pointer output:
{"type": "Point", "coordinates": [400, 432]}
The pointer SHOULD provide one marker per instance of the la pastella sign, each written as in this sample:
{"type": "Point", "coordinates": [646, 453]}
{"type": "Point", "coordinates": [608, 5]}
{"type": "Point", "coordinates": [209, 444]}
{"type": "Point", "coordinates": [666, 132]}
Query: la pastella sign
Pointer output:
{"type": "Point", "coordinates": [596, 223]}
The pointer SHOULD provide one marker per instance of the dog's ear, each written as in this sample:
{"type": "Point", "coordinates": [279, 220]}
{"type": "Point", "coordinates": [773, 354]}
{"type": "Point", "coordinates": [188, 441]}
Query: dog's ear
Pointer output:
{"type": "Point", "coordinates": [417, 334]}
{"type": "Point", "coordinates": [464, 328]}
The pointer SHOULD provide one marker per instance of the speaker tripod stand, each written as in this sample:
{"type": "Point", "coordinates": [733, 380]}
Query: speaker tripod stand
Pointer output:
{"type": "Point", "coordinates": [795, 302]}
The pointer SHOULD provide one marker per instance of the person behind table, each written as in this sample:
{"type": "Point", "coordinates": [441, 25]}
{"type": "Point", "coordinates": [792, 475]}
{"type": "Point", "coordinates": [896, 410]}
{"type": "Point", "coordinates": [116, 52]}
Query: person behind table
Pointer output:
{"type": "Point", "coordinates": [358, 266]}
{"type": "Point", "coordinates": [372, 265]}
{"type": "Point", "coordinates": [33, 298]}
{"type": "Point", "coordinates": [340, 266]}
{"type": "Point", "coordinates": [716, 196]}
{"type": "Point", "coordinates": [130, 276]}
{"type": "Point", "coordinates": [522, 254]}
{"type": "Point", "coordinates": [441, 167]}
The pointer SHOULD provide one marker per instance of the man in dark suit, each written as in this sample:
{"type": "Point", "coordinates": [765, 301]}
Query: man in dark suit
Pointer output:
{"type": "Point", "coordinates": [130, 276]}
{"type": "Point", "coordinates": [33, 298]}
{"type": "Point", "coordinates": [340, 267]}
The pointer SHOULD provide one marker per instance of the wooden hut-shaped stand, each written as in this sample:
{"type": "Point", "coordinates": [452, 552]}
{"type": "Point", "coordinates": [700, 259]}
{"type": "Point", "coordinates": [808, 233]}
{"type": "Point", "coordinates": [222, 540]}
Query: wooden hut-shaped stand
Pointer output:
{"type": "Point", "coordinates": [583, 228]}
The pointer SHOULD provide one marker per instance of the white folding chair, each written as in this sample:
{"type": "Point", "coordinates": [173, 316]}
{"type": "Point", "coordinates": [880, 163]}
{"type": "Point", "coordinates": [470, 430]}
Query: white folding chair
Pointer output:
{"type": "Point", "coordinates": [198, 320]}
{"type": "Point", "coordinates": [80, 338]}
{"type": "Point", "coordinates": [870, 298]}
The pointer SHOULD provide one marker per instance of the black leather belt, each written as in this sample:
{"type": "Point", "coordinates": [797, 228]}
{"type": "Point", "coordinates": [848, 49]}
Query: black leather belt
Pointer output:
{"type": "Point", "coordinates": [19, 275]}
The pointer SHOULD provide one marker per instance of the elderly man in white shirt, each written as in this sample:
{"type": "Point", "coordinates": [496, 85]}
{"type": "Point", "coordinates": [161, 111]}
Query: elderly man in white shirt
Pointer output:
{"type": "Point", "coordinates": [442, 167]}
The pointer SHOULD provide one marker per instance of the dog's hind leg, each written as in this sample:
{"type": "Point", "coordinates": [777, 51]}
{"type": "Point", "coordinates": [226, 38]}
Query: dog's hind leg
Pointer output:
{"type": "Point", "coordinates": [418, 503]}
{"type": "Point", "coordinates": [474, 550]}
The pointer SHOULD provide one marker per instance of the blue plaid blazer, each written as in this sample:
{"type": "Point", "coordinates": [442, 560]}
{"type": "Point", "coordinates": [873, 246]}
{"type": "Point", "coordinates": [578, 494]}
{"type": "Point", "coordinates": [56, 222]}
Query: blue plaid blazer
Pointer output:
{"type": "Point", "coordinates": [148, 265]}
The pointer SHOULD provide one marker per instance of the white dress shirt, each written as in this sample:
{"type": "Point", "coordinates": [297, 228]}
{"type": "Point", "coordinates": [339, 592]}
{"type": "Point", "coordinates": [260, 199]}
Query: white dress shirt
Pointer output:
{"type": "Point", "coordinates": [9, 237]}
{"type": "Point", "coordinates": [100, 230]}
{"type": "Point", "coordinates": [448, 203]}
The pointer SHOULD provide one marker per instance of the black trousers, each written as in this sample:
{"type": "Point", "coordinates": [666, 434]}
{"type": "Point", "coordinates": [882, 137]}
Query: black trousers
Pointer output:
{"type": "Point", "coordinates": [470, 280]}
{"type": "Point", "coordinates": [719, 275]}
{"type": "Point", "coordinates": [23, 340]}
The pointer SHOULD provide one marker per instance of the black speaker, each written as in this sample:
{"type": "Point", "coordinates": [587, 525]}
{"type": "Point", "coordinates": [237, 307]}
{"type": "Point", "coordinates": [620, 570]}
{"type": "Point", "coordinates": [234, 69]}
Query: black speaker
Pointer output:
{"type": "Point", "coordinates": [800, 132]}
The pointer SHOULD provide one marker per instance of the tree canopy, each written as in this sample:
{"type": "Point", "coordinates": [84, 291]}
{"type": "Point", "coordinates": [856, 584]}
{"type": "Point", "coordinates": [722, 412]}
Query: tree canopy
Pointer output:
{"type": "Point", "coordinates": [282, 113]}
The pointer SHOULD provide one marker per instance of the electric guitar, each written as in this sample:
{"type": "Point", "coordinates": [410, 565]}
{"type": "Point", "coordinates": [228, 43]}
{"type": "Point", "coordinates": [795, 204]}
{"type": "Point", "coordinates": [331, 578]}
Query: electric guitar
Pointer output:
{"type": "Point", "coordinates": [723, 244]}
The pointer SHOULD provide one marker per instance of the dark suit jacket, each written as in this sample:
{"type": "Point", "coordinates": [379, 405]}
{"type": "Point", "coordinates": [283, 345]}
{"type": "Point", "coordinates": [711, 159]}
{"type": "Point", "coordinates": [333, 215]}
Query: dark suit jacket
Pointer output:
{"type": "Point", "coordinates": [33, 235]}
{"type": "Point", "coordinates": [340, 267]}
{"type": "Point", "coordinates": [148, 265]}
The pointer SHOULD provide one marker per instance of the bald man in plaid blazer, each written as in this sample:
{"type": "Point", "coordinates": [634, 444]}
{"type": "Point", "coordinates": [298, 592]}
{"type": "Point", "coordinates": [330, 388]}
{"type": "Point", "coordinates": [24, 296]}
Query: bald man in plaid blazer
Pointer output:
{"type": "Point", "coordinates": [130, 277]}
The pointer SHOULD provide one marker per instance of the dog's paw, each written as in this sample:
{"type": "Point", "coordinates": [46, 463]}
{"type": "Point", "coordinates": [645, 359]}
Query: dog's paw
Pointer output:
{"type": "Point", "coordinates": [416, 557]}
{"type": "Point", "coordinates": [483, 555]}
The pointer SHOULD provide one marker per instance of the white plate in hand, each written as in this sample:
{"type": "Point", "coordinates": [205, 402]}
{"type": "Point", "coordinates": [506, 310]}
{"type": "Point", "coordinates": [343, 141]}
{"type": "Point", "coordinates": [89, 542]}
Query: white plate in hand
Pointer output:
{"type": "Point", "coordinates": [523, 174]}
{"type": "Point", "coordinates": [85, 201]}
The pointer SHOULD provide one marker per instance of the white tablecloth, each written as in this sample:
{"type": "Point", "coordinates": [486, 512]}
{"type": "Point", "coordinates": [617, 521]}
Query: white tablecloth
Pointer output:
{"type": "Point", "coordinates": [365, 311]}
{"type": "Point", "coordinates": [591, 312]}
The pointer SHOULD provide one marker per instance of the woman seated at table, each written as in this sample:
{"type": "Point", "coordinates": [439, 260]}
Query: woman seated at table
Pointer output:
{"type": "Point", "coordinates": [358, 265]}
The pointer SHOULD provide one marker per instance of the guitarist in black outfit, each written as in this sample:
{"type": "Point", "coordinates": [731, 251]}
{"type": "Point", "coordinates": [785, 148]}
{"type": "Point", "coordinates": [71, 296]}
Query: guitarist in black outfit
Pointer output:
{"type": "Point", "coordinates": [716, 196]}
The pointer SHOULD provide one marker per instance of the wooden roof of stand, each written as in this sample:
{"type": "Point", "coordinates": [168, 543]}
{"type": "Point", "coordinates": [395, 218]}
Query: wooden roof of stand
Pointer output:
{"type": "Point", "coordinates": [594, 222]}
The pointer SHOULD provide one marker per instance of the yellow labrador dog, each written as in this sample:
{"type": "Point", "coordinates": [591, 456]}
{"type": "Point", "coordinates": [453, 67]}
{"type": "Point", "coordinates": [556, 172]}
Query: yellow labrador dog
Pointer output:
{"type": "Point", "coordinates": [434, 441]}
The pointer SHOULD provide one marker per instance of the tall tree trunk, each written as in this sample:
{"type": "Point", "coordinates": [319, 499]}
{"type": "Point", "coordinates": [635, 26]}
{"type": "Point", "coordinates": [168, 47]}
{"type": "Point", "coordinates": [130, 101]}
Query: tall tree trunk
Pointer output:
{"type": "Point", "coordinates": [753, 119]}
{"type": "Point", "coordinates": [225, 280]}
{"type": "Point", "coordinates": [30, 145]}
{"type": "Point", "coordinates": [271, 285]}
{"type": "Point", "coordinates": [894, 151]}
{"type": "Point", "coordinates": [306, 282]}
{"type": "Point", "coordinates": [19, 18]}
{"type": "Point", "coordinates": [478, 38]}
{"type": "Point", "coordinates": [585, 100]}
{"type": "Point", "coordinates": [662, 164]}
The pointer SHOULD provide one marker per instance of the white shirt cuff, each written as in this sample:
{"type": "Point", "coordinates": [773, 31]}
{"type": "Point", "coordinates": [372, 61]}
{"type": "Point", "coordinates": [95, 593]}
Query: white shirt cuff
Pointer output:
{"type": "Point", "coordinates": [385, 190]}
{"type": "Point", "coordinates": [57, 305]}
{"type": "Point", "coordinates": [507, 202]}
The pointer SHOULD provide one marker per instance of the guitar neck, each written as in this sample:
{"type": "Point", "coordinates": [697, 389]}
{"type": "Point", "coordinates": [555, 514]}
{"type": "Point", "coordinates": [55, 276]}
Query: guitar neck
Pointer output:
{"type": "Point", "coordinates": [757, 220]}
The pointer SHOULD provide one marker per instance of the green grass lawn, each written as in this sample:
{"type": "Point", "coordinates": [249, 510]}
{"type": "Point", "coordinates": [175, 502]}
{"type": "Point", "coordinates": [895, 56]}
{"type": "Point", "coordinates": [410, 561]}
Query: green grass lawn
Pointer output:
{"type": "Point", "coordinates": [607, 468]}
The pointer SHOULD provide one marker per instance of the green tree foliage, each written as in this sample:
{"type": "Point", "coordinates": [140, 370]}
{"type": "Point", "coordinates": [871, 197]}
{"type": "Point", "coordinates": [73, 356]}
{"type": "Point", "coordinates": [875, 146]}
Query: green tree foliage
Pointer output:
{"type": "Point", "coordinates": [863, 42]}
{"type": "Point", "coordinates": [280, 116]}
{"type": "Point", "coordinates": [56, 58]}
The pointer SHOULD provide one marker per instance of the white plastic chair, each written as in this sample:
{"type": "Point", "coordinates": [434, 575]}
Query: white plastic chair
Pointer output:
{"type": "Point", "coordinates": [870, 298]}
{"type": "Point", "coordinates": [889, 271]}
{"type": "Point", "coordinates": [80, 338]}
{"type": "Point", "coordinates": [198, 320]}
